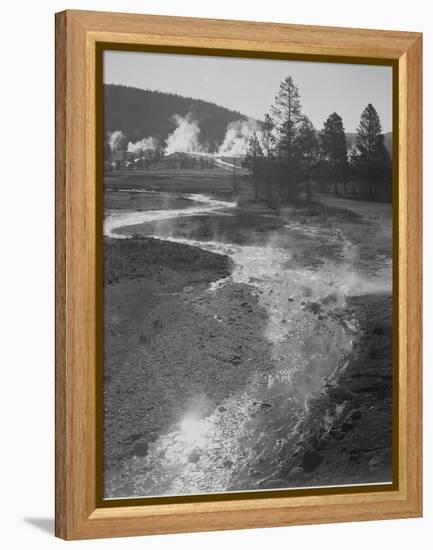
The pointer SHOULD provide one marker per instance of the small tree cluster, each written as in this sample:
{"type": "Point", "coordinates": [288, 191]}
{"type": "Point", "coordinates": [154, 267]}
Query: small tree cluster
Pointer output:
{"type": "Point", "coordinates": [288, 156]}
{"type": "Point", "coordinates": [370, 161]}
{"type": "Point", "coordinates": [335, 169]}
{"type": "Point", "coordinates": [284, 155]}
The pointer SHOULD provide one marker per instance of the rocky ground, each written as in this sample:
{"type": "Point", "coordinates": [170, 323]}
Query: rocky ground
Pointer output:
{"type": "Point", "coordinates": [347, 437]}
{"type": "Point", "coordinates": [167, 342]}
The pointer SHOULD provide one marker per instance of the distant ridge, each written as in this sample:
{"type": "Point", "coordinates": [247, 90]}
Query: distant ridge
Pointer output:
{"type": "Point", "coordinates": [143, 113]}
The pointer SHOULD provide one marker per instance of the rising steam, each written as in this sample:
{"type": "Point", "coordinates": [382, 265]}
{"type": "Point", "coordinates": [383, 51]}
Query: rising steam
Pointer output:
{"type": "Point", "coordinates": [116, 140]}
{"type": "Point", "coordinates": [144, 144]}
{"type": "Point", "coordinates": [236, 138]}
{"type": "Point", "coordinates": [184, 139]}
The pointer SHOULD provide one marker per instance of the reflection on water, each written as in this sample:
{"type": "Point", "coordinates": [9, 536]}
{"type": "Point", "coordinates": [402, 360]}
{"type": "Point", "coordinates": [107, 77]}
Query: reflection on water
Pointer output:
{"type": "Point", "coordinates": [116, 220]}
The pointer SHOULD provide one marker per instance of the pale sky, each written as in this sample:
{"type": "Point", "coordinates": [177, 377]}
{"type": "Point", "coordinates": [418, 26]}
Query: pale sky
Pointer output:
{"type": "Point", "coordinates": [250, 85]}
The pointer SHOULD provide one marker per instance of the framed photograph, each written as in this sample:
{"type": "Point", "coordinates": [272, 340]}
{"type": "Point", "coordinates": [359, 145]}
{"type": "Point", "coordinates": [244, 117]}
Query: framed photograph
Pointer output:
{"type": "Point", "coordinates": [238, 274]}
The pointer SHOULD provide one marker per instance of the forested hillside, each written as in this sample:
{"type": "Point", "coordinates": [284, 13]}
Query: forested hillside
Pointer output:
{"type": "Point", "coordinates": [139, 113]}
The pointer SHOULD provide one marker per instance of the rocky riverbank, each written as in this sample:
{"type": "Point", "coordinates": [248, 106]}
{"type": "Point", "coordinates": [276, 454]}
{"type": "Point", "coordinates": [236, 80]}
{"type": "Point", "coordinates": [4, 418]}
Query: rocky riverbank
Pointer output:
{"type": "Point", "coordinates": [280, 377]}
{"type": "Point", "coordinates": [170, 346]}
{"type": "Point", "coordinates": [347, 436]}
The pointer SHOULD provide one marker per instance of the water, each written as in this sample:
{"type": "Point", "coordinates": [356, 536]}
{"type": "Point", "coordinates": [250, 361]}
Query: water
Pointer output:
{"type": "Point", "coordinates": [116, 220]}
{"type": "Point", "coordinates": [245, 443]}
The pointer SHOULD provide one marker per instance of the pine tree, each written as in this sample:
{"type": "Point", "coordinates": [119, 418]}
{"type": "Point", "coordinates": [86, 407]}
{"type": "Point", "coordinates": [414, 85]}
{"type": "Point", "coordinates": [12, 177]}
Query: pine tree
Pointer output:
{"type": "Point", "coordinates": [268, 146]}
{"type": "Point", "coordinates": [286, 117]}
{"type": "Point", "coordinates": [374, 163]}
{"type": "Point", "coordinates": [254, 161]}
{"type": "Point", "coordinates": [268, 139]}
{"type": "Point", "coordinates": [308, 147]}
{"type": "Point", "coordinates": [333, 144]}
{"type": "Point", "coordinates": [354, 169]}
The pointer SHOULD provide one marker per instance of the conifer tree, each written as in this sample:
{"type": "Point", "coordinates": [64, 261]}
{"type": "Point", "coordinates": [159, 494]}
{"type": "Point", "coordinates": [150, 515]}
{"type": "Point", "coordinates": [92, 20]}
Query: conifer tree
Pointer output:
{"type": "Point", "coordinates": [333, 144]}
{"type": "Point", "coordinates": [374, 163]}
{"type": "Point", "coordinates": [268, 146]}
{"type": "Point", "coordinates": [267, 137]}
{"type": "Point", "coordinates": [308, 147]}
{"type": "Point", "coordinates": [354, 169]}
{"type": "Point", "coordinates": [286, 117]}
{"type": "Point", "coordinates": [254, 161]}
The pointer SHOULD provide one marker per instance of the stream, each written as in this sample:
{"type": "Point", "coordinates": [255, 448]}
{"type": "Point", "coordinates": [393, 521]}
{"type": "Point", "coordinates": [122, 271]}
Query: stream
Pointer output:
{"type": "Point", "coordinates": [244, 443]}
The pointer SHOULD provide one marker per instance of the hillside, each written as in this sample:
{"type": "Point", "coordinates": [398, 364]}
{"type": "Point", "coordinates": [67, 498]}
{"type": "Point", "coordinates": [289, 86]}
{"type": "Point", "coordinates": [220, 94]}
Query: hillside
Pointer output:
{"type": "Point", "coordinates": [139, 113]}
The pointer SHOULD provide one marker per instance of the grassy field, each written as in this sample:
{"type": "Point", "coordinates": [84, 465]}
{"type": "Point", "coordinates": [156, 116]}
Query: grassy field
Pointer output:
{"type": "Point", "coordinates": [216, 181]}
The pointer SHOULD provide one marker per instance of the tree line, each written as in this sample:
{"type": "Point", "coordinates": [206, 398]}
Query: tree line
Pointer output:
{"type": "Point", "coordinates": [289, 159]}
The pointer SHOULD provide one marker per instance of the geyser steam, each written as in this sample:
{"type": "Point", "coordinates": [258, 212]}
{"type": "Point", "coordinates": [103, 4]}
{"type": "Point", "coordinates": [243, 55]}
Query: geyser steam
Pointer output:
{"type": "Point", "coordinates": [236, 138]}
{"type": "Point", "coordinates": [184, 139]}
{"type": "Point", "coordinates": [145, 144]}
{"type": "Point", "coordinates": [116, 140]}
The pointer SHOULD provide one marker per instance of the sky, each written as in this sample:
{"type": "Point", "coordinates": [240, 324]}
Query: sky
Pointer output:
{"type": "Point", "coordinates": [250, 85]}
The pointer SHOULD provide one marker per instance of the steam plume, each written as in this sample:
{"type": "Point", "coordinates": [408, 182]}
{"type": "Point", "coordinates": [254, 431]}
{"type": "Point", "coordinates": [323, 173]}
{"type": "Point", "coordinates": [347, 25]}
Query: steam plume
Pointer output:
{"type": "Point", "coordinates": [142, 145]}
{"type": "Point", "coordinates": [116, 140]}
{"type": "Point", "coordinates": [184, 139]}
{"type": "Point", "coordinates": [236, 138]}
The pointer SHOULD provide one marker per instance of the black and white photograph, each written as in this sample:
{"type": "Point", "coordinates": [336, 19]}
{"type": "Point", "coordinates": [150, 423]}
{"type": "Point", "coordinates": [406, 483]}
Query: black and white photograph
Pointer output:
{"type": "Point", "coordinates": [247, 249]}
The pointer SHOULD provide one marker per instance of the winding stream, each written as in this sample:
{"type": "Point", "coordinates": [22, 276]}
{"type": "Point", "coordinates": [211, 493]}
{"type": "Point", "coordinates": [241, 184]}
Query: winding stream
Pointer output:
{"type": "Point", "coordinates": [242, 444]}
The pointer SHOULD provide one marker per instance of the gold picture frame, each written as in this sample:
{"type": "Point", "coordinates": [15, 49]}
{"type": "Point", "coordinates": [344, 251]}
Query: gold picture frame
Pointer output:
{"type": "Point", "coordinates": [81, 37]}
